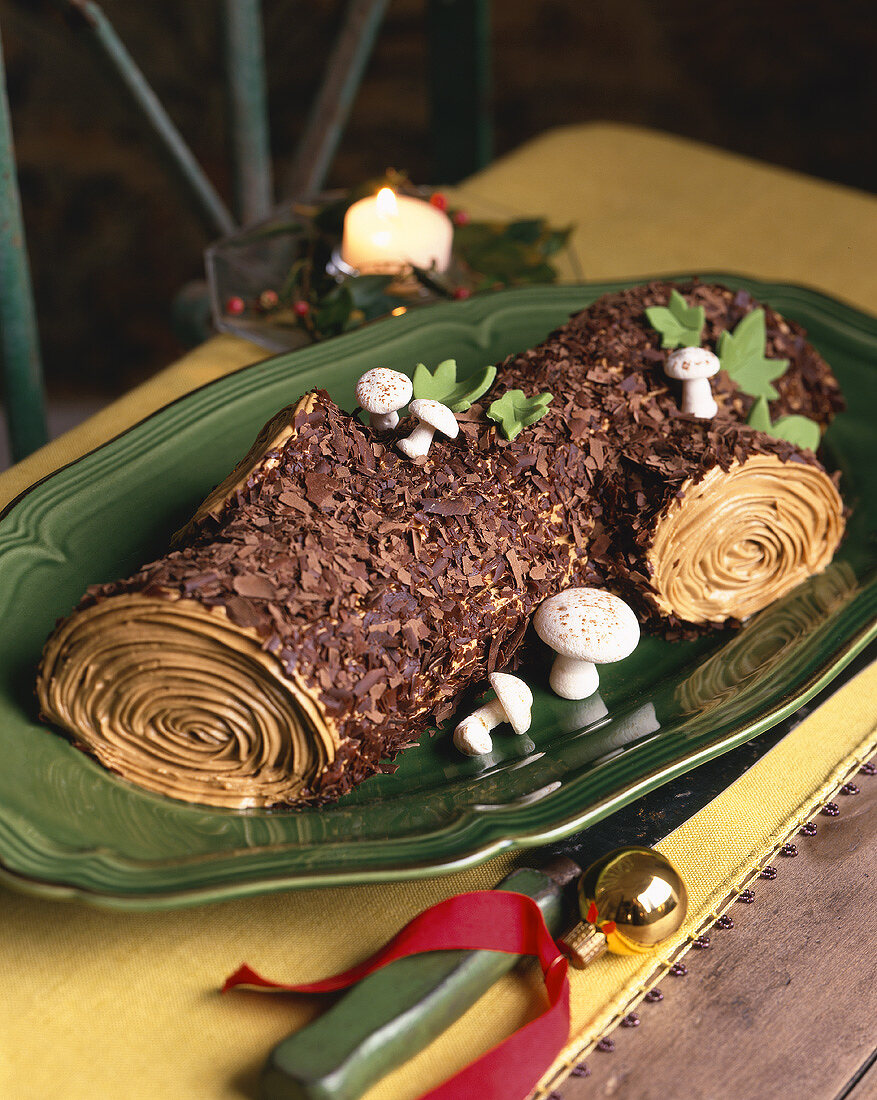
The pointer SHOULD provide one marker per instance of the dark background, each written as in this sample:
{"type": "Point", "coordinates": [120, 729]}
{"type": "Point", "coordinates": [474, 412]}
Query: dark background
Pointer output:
{"type": "Point", "coordinates": [112, 238]}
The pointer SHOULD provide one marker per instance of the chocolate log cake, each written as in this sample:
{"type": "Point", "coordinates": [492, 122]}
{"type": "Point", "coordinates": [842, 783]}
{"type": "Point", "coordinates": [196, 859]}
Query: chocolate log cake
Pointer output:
{"type": "Point", "coordinates": [332, 594]}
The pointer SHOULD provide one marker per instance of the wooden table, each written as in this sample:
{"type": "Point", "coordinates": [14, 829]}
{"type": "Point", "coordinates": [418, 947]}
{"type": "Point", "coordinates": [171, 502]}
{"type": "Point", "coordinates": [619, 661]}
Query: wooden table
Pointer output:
{"type": "Point", "coordinates": [781, 1004]}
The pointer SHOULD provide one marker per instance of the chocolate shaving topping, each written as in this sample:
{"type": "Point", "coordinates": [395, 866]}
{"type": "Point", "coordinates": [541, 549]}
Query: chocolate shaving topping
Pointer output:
{"type": "Point", "coordinates": [448, 507]}
{"type": "Point", "coordinates": [254, 587]}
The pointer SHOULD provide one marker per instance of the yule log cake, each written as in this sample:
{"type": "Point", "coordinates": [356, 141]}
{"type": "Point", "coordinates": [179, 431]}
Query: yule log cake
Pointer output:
{"type": "Point", "coordinates": [333, 595]}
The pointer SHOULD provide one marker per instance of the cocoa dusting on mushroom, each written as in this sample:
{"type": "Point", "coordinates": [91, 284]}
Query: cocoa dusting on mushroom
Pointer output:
{"type": "Point", "coordinates": [585, 627]}
{"type": "Point", "coordinates": [382, 393]}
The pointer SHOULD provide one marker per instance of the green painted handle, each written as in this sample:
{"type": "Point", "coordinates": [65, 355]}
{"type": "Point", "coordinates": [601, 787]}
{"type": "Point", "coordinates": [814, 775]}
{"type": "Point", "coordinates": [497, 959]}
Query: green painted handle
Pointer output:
{"type": "Point", "coordinates": [393, 1013]}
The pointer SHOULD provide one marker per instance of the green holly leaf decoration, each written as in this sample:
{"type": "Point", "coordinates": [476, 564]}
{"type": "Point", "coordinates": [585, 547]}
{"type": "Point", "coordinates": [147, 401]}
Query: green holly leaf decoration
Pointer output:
{"type": "Point", "coordinates": [742, 356]}
{"type": "Point", "coordinates": [514, 411]}
{"type": "Point", "coordinates": [334, 312]}
{"type": "Point", "coordinates": [509, 254]}
{"type": "Point", "coordinates": [679, 323]}
{"type": "Point", "coordinates": [442, 384]}
{"type": "Point", "coordinates": [371, 294]}
{"type": "Point", "coordinates": [796, 429]}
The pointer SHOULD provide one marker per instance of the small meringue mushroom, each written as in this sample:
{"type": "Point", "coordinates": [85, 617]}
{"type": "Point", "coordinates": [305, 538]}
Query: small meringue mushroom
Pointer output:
{"type": "Point", "coordinates": [513, 704]}
{"type": "Point", "coordinates": [694, 367]}
{"type": "Point", "coordinates": [381, 393]}
{"type": "Point", "coordinates": [432, 417]}
{"type": "Point", "coordinates": [585, 627]}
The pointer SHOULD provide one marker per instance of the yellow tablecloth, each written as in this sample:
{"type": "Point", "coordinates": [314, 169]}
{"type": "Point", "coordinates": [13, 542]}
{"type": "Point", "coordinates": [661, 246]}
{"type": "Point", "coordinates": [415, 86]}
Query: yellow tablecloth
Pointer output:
{"type": "Point", "coordinates": [101, 1004]}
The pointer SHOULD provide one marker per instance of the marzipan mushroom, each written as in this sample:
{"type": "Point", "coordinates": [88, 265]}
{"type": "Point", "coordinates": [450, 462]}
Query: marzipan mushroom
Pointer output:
{"type": "Point", "coordinates": [694, 367]}
{"type": "Point", "coordinates": [513, 704]}
{"type": "Point", "coordinates": [585, 627]}
{"type": "Point", "coordinates": [381, 393]}
{"type": "Point", "coordinates": [432, 417]}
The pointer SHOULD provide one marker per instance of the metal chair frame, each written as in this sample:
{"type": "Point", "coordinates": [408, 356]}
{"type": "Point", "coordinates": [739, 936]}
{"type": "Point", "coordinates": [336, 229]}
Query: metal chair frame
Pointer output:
{"type": "Point", "coordinates": [458, 31]}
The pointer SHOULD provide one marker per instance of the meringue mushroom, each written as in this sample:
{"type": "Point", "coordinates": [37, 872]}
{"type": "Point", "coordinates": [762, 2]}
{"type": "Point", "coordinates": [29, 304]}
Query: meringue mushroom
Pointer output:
{"type": "Point", "coordinates": [381, 393]}
{"type": "Point", "coordinates": [585, 627]}
{"type": "Point", "coordinates": [694, 367]}
{"type": "Point", "coordinates": [513, 704]}
{"type": "Point", "coordinates": [432, 417]}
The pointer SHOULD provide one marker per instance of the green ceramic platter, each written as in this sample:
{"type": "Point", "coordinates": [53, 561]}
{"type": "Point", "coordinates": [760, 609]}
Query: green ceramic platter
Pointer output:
{"type": "Point", "coordinates": [70, 829]}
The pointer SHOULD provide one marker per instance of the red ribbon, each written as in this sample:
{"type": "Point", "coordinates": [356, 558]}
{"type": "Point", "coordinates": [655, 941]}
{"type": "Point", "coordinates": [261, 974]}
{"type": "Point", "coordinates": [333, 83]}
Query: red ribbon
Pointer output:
{"type": "Point", "coordinates": [492, 920]}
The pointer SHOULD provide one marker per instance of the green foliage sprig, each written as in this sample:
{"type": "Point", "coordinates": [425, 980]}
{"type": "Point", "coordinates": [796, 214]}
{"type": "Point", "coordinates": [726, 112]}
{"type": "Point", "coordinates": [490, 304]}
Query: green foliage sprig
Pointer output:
{"type": "Point", "coordinates": [500, 254]}
{"type": "Point", "coordinates": [486, 255]}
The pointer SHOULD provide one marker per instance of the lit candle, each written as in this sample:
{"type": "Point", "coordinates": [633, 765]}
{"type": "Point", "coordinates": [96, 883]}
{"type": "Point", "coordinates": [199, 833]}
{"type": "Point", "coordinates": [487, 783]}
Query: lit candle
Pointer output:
{"type": "Point", "coordinates": [386, 233]}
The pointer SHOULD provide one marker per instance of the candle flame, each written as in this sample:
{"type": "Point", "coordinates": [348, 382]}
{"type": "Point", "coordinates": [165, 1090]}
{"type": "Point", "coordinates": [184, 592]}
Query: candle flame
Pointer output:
{"type": "Point", "coordinates": [385, 203]}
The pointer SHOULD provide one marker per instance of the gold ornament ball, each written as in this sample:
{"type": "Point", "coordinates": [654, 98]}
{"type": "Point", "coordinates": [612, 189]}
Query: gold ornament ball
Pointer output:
{"type": "Point", "coordinates": [641, 891]}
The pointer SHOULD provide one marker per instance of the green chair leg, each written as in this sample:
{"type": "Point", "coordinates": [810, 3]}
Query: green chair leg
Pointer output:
{"type": "Point", "coordinates": [22, 372]}
{"type": "Point", "coordinates": [247, 99]}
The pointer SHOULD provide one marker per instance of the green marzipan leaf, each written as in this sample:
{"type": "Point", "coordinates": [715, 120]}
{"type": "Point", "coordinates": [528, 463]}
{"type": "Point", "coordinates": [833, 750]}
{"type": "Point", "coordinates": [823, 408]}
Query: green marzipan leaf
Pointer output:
{"type": "Point", "coordinates": [741, 354]}
{"type": "Point", "coordinates": [799, 430]}
{"type": "Point", "coordinates": [679, 323]}
{"type": "Point", "coordinates": [442, 385]}
{"type": "Point", "coordinates": [759, 416]}
{"type": "Point", "coordinates": [514, 411]}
